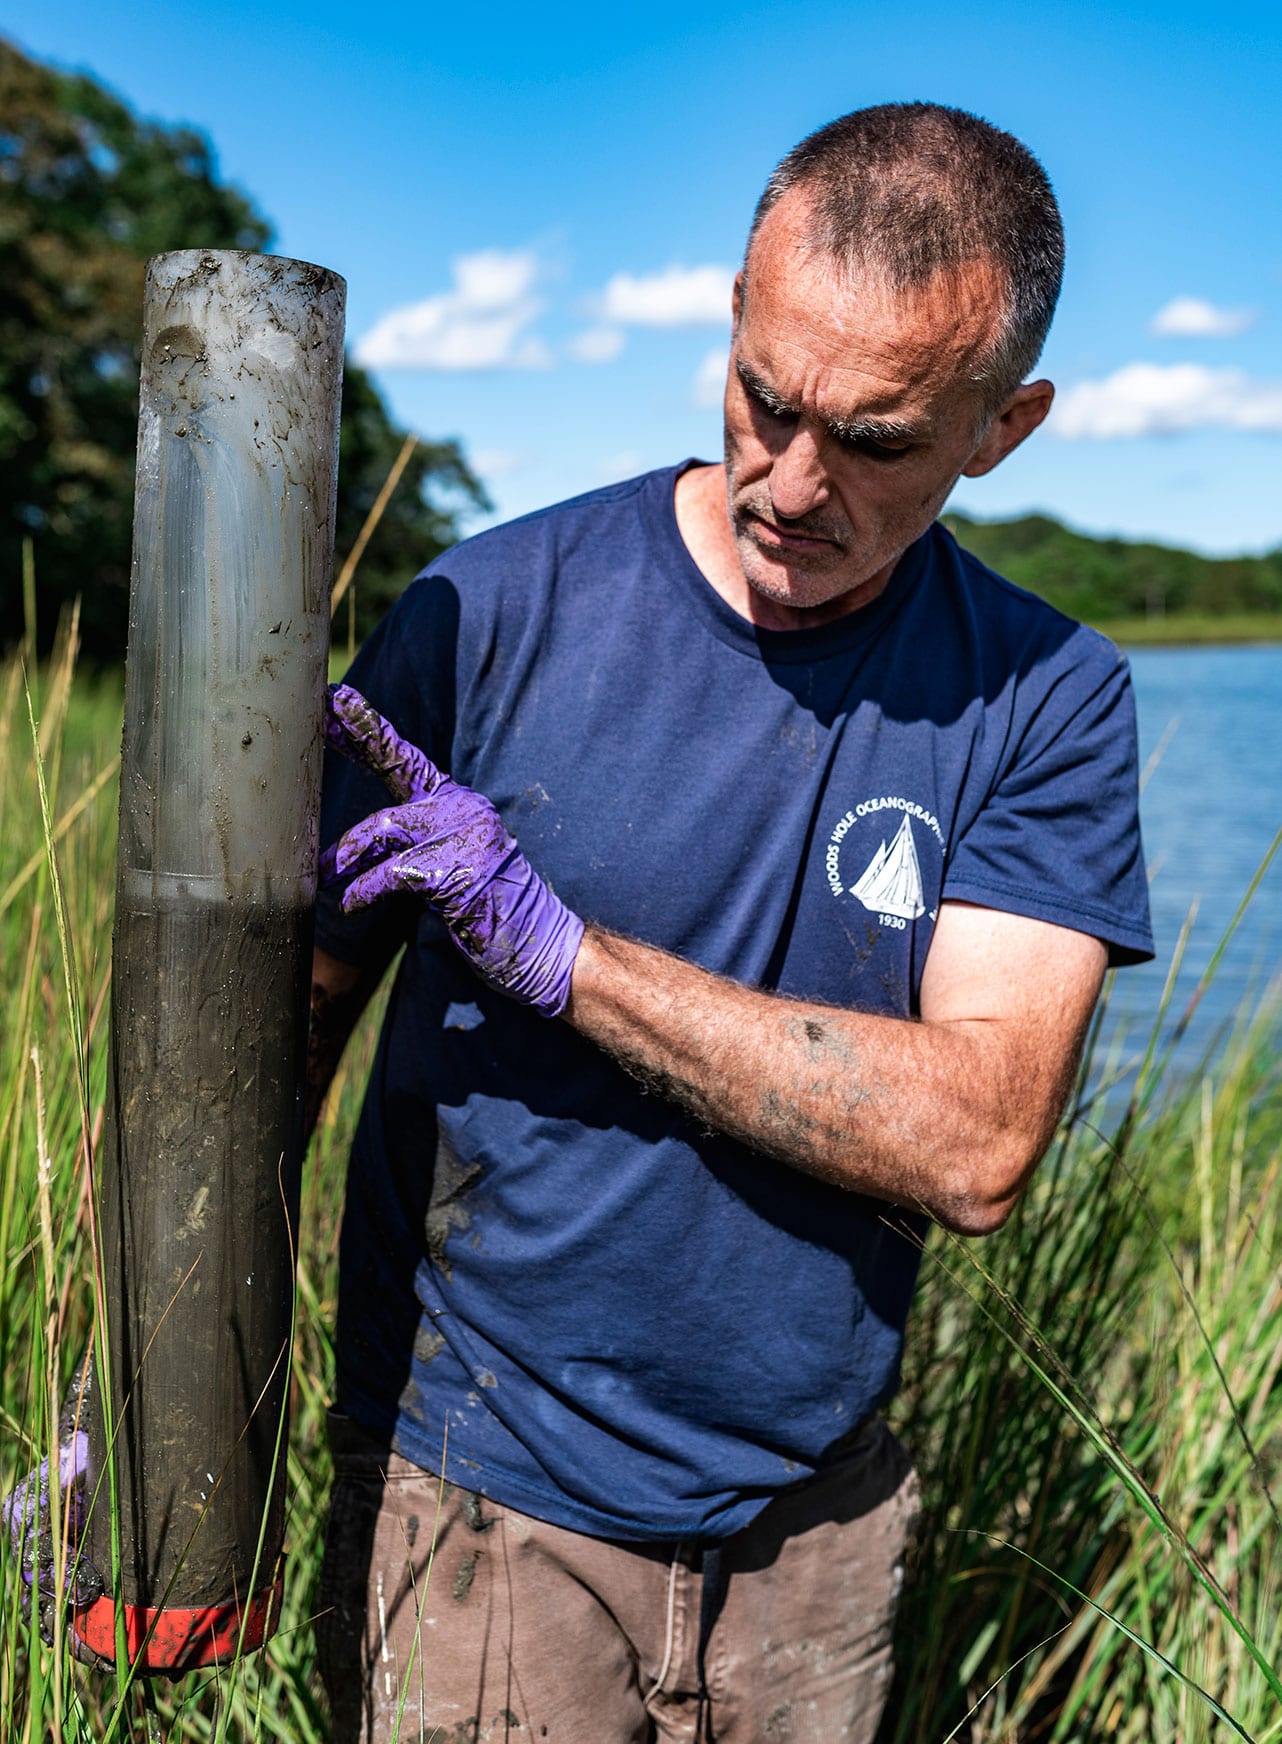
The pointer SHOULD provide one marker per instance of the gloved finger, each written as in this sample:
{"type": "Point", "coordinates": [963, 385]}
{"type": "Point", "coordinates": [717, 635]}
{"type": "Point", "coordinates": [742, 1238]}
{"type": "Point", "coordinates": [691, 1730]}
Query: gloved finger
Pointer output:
{"type": "Point", "coordinates": [81, 1581]}
{"type": "Point", "coordinates": [84, 1583]}
{"type": "Point", "coordinates": [415, 873]}
{"type": "Point", "coordinates": [355, 729]}
{"type": "Point", "coordinates": [366, 844]}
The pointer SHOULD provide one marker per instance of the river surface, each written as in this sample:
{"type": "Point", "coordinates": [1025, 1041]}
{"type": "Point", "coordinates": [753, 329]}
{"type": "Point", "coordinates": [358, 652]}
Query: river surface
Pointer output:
{"type": "Point", "coordinates": [1210, 723]}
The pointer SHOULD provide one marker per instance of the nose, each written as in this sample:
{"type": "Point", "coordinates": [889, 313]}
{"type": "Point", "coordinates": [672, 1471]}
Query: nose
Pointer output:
{"type": "Point", "coordinates": [798, 480]}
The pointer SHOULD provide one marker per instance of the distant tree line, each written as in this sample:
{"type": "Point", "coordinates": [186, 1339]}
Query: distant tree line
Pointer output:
{"type": "Point", "coordinates": [88, 191]}
{"type": "Point", "coordinates": [1102, 579]}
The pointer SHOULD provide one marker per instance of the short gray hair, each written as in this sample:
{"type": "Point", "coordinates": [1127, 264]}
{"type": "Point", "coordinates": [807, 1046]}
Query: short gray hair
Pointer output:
{"type": "Point", "coordinates": [914, 189]}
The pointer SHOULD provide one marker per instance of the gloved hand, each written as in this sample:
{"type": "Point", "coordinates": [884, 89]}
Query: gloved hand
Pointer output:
{"type": "Point", "coordinates": [448, 845]}
{"type": "Point", "coordinates": [26, 1514]}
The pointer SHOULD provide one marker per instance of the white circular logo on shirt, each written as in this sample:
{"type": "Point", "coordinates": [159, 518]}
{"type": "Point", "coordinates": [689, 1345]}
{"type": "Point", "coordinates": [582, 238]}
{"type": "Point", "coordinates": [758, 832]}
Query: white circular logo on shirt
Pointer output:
{"type": "Point", "coordinates": [873, 855]}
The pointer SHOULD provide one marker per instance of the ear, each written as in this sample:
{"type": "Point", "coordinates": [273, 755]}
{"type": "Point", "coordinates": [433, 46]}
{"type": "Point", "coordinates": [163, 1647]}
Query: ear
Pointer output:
{"type": "Point", "coordinates": [1018, 418]}
{"type": "Point", "coordinates": [736, 299]}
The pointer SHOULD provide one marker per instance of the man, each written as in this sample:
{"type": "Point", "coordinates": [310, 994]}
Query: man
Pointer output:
{"type": "Point", "coordinates": [810, 841]}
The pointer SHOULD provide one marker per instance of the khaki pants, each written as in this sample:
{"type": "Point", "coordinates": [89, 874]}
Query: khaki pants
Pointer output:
{"type": "Point", "coordinates": [520, 1630]}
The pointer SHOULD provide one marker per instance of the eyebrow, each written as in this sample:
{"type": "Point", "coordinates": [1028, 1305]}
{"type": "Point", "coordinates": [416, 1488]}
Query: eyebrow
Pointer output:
{"type": "Point", "coordinates": [845, 429]}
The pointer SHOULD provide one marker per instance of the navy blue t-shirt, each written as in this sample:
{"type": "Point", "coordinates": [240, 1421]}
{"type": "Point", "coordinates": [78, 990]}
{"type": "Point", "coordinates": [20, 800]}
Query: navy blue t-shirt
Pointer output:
{"type": "Point", "coordinates": [630, 1325]}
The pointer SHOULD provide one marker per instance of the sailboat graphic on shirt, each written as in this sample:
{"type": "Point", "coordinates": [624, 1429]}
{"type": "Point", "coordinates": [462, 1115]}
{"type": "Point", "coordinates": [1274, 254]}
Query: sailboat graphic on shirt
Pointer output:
{"type": "Point", "coordinates": [892, 882]}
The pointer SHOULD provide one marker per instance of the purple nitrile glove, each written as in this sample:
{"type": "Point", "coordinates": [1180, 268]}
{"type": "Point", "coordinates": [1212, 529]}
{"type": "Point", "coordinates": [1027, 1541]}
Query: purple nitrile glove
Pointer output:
{"type": "Point", "coordinates": [27, 1516]}
{"type": "Point", "coordinates": [448, 845]}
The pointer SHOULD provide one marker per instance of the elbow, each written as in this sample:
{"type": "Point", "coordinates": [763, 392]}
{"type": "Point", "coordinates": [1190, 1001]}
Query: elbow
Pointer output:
{"type": "Point", "coordinates": [973, 1214]}
{"type": "Point", "coordinates": [983, 1194]}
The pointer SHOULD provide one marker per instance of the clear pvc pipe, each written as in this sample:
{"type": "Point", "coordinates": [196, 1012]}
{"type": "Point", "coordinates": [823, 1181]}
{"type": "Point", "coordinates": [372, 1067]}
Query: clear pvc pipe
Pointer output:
{"type": "Point", "coordinates": [216, 881]}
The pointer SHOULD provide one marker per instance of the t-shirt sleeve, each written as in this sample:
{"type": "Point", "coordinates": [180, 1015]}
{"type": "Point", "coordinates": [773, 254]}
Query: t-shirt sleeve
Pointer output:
{"type": "Point", "coordinates": [406, 668]}
{"type": "Point", "coordinates": [1058, 838]}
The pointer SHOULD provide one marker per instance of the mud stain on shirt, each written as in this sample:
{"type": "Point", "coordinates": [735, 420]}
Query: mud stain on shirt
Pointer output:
{"type": "Point", "coordinates": [447, 1209]}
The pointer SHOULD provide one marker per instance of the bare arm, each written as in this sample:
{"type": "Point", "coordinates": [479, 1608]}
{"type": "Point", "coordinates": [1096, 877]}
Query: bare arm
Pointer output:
{"type": "Point", "coordinates": [950, 1114]}
{"type": "Point", "coordinates": [340, 992]}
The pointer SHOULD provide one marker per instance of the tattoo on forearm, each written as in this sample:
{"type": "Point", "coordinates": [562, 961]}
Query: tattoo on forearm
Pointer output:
{"type": "Point", "coordinates": [786, 1127]}
{"type": "Point", "coordinates": [812, 1083]}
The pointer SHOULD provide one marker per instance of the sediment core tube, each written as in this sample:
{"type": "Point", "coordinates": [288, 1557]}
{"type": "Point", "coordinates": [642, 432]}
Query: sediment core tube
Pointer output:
{"type": "Point", "coordinates": [216, 881]}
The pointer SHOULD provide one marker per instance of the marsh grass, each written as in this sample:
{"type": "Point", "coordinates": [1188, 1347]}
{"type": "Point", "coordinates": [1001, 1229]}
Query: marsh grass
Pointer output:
{"type": "Point", "coordinates": [1194, 629]}
{"type": "Point", "coordinates": [1093, 1400]}
{"type": "Point", "coordinates": [1093, 1396]}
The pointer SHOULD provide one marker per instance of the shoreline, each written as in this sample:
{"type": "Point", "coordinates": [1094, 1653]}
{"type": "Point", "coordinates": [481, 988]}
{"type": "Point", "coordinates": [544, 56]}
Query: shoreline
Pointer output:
{"type": "Point", "coordinates": [1193, 630]}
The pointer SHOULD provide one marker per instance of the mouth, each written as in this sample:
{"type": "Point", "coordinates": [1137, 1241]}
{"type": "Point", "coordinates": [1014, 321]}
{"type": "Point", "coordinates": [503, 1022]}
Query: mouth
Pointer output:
{"type": "Point", "coordinates": [772, 537]}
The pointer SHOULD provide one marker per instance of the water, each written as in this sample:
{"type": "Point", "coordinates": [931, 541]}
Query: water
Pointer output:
{"type": "Point", "coordinates": [1210, 722]}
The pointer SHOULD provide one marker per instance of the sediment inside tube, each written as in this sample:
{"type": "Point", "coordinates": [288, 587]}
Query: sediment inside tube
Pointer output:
{"type": "Point", "coordinates": [198, 1180]}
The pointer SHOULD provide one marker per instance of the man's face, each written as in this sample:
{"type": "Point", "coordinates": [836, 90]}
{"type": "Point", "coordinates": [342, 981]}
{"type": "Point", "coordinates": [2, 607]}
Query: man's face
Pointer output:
{"type": "Point", "coordinates": [850, 412]}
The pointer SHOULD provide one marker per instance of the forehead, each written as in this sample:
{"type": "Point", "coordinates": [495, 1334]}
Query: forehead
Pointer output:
{"type": "Point", "coordinates": [840, 340]}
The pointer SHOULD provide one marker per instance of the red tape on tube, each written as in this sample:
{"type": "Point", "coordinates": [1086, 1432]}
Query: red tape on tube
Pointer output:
{"type": "Point", "coordinates": [170, 1638]}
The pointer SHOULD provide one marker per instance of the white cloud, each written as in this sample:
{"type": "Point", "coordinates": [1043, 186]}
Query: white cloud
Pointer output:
{"type": "Point", "coordinates": [680, 296]}
{"type": "Point", "coordinates": [481, 323]}
{"type": "Point", "coordinates": [709, 385]}
{"type": "Point", "coordinates": [1193, 318]}
{"type": "Point", "coordinates": [497, 462]}
{"type": "Point", "coordinates": [597, 345]}
{"type": "Point", "coordinates": [1148, 399]}
{"type": "Point", "coordinates": [616, 466]}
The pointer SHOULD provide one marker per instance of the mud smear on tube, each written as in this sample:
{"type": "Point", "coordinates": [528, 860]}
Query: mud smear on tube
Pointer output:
{"type": "Point", "coordinates": [199, 1188]}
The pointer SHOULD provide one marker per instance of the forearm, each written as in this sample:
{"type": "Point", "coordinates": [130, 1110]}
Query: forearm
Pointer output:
{"type": "Point", "coordinates": [920, 1114]}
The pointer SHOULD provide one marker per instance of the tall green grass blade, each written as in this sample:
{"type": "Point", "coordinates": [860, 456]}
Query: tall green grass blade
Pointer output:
{"type": "Point", "coordinates": [1145, 1647]}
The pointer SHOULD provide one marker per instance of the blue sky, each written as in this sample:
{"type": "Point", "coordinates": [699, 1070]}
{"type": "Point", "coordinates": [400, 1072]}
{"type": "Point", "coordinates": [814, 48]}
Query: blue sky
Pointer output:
{"type": "Point", "coordinates": [538, 209]}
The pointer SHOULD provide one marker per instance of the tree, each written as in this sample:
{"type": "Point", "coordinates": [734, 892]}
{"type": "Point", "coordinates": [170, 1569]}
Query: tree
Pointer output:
{"type": "Point", "coordinates": [88, 191]}
{"type": "Point", "coordinates": [421, 518]}
{"type": "Point", "coordinates": [1104, 579]}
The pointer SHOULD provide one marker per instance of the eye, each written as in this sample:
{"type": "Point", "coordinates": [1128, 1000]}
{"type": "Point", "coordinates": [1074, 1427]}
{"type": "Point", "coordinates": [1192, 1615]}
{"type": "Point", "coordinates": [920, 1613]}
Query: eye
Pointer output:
{"type": "Point", "coordinates": [771, 409]}
{"type": "Point", "coordinates": [870, 450]}
{"type": "Point", "coordinates": [763, 402]}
